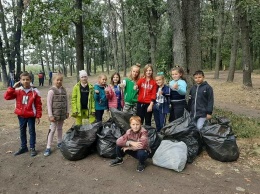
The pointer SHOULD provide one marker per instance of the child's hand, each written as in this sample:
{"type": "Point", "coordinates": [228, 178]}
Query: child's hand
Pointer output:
{"type": "Point", "coordinates": [17, 84]}
{"type": "Point", "coordinates": [106, 90]}
{"type": "Point", "coordinates": [175, 86]}
{"type": "Point", "coordinates": [37, 120]}
{"type": "Point", "coordinates": [150, 108]}
{"type": "Point", "coordinates": [125, 148]}
{"type": "Point", "coordinates": [122, 85]}
{"type": "Point", "coordinates": [208, 117]}
{"type": "Point", "coordinates": [135, 87]}
{"type": "Point", "coordinates": [96, 91]}
{"type": "Point", "coordinates": [136, 145]}
{"type": "Point", "coordinates": [52, 119]}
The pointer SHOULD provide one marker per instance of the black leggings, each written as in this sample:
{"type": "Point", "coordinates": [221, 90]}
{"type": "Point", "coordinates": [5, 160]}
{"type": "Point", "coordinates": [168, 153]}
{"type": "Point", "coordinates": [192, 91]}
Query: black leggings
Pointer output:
{"type": "Point", "coordinates": [177, 110]}
{"type": "Point", "coordinates": [143, 114]}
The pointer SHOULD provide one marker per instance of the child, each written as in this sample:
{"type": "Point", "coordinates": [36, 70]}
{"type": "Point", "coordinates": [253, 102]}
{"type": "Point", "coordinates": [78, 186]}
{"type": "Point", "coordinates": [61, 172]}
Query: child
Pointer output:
{"type": "Point", "coordinates": [130, 94]}
{"type": "Point", "coordinates": [178, 93]}
{"type": "Point", "coordinates": [57, 104]}
{"type": "Point", "coordinates": [147, 95]}
{"type": "Point", "coordinates": [82, 100]}
{"type": "Point", "coordinates": [101, 103]}
{"type": "Point", "coordinates": [162, 102]}
{"type": "Point", "coordinates": [114, 93]}
{"type": "Point", "coordinates": [135, 143]}
{"type": "Point", "coordinates": [201, 100]}
{"type": "Point", "coordinates": [28, 108]}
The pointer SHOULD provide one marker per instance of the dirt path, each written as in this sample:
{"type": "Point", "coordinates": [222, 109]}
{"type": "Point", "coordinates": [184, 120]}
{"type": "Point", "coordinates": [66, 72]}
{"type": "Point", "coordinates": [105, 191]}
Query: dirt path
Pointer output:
{"type": "Point", "coordinates": [54, 174]}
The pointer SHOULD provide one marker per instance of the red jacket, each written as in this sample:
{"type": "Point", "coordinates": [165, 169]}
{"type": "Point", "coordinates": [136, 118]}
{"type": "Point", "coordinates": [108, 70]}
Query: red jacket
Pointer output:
{"type": "Point", "coordinates": [147, 90]}
{"type": "Point", "coordinates": [112, 99]}
{"type": "Point", "coordinates": [141, 136]}
{"type": "Point", "coordinates": [27, 104]}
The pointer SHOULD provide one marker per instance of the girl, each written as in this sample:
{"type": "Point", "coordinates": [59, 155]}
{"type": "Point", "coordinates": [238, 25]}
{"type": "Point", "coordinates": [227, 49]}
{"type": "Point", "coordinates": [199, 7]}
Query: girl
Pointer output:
{"type": "Point", "coordinates": [130, 94]}
{"type": "Point", "coordinates": [100, 97]}
{"type": "Point", "coordinates": [178, 91]}
{"type": "Point", "coordinates": [114, 93]}
{"type": "Point", "coordinates": [57, 104]}
{"type": "Point", "coordinates": [147, 95]}
{"type": "Point", "coordinates": [82, 100]}
{"type": "Point", "coordinates": [162, 102]}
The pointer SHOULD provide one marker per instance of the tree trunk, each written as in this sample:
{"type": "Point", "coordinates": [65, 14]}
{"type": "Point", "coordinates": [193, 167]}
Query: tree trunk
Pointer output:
{"type": "Point", "coordinates": [3, 63]}
{"type": "Point", "coordinates": [46, 54]}
{"type": "Point", "coordinates": [234, 46]}
{"type": "Point", "coordinates": [79, 40]}
{"type": "Point", "coordinates": [178, 39]}
{"type": "Point", "coordinates": [245, 42]}
{"type": "Point", "coordinates": [123, 37]}
{"type": "Point", "coordinates": [191, 12]}
{"type": "Point", "coordinates": [220, 38]}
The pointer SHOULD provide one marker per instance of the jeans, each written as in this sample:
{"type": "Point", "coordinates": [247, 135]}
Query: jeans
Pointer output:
{"type": "Point", "coordinates": [143, 114]}
{"type": "Point", "coordinates": [140, 155]}
{"type": "Point", "coordinates": [99, 115]}
{"type": "Point", "coordinates": [159, 117]}
{"type": "Point", "coordinates": [23, 125]}
{"type": "Point", "coordinates": [177, 110]}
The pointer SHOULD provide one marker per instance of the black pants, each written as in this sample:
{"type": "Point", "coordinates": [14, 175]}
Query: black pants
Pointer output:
{"type": "Point", "coordinates": [177, 110]}
{"type": "Point", "coordinates": [143, 114]}
{"type": "Point", "coordinates": [99, 115]}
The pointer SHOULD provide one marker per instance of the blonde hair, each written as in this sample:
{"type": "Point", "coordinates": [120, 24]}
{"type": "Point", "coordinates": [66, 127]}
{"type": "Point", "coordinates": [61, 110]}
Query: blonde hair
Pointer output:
{"type": "Point", "coordinates": [146, 67]}
{"type": "Point", "coordinates": [137, 65]}
{"type": "Point", "coordinates": [102, 75]}
{"type": "Point", "coordinates": [56, 75]}
{"type": "Point", "coordinates": [162, 77]}
{"type": "Point", "coordinates": [135, 118]}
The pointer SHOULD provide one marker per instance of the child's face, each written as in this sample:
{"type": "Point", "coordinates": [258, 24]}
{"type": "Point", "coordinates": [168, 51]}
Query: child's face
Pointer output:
{"type": "Point", "coordinates": [103, 81]}
{"type": "Point", "coordinates": [84, 79]}
{"type": "Point", "coordinates": [135, 72]}
{"type": "Point", "coordinates": [176, 75]}
{"type": "Point", "coordinates": [115, 79]}
{"type": "Point", "coordinates": [58, 81]}
{"type": "Point", "coordinates": [149, 72]}
{"type": "Point", "coordinates": [198, 78]}
{"type": "Point", "coordinates": [25, 81]}
{"type": "Point", "coordinates": [135, 126]}
{"type": "Point", "coordinates": [159, 81]}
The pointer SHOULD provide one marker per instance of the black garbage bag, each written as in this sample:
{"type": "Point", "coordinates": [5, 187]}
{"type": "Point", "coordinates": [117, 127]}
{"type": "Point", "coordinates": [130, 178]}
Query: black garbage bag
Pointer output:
{"type": "Point", "coordinates": [177, 125]}
{"type": "Point", "coordinates": [78, 140]}
{"type": "Point", "coordinates": [106, 142]}
{"type": "Point", "coordinates": [220, 142]}
{"type": "Point", "coordinates": [154, 139]}
{"type": "Point", "coordinates": [191, 137]}
{"type": "Point", "coordinates": [121, 119]}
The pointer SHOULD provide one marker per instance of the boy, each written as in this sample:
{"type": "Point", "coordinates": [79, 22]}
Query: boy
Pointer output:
{"type": "Point", "coordinates": [134, 142]}
{"type": "Point", "coordinates": [201, 100]}
{"type": "Point", "coordinates": [82, 100]}
{"type": "Point", "coordinates": [28, 108]}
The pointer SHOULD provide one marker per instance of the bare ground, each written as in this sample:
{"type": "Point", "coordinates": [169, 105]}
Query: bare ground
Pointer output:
{"type": "Point", "coordinates": [54, 174]}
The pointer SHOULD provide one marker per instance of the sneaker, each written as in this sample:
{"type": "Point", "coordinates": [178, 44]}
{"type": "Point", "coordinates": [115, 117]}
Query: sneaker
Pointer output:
{"type": "Point", "coordinates": [21, 151]}
{"type": "Point", "coordinates": [33, 152]}
{"type": "Point", "coordinates": [140, 167]}
{"type": "Point", "coordinates": [59, 145]}
{"type": "Point", "coordinates": [116, 161]}
{"type": "Point", "coordinates": [47, 152]}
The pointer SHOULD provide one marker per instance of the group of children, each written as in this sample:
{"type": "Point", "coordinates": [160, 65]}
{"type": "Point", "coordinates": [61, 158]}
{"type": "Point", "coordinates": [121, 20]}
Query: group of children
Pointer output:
{"type": "Point", "coordinates": [141, 96]}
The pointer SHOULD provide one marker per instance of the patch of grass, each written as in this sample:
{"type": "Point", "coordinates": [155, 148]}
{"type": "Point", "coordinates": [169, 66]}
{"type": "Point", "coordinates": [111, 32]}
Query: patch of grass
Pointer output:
{"type": "Point", "coordinates": [243, 127]}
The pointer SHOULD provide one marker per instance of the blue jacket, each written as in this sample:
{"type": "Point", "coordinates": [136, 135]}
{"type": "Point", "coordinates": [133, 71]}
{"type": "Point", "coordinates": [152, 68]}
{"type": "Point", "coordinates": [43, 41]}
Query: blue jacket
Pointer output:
{"type": "Point", "coordinates": [201, 100]}
{"type": "Point", "coordinates": [178, 95]}
{"type": "Point", "coordinates": [101, 102]}
{"type": "Point", "coordinates": [163, 107]}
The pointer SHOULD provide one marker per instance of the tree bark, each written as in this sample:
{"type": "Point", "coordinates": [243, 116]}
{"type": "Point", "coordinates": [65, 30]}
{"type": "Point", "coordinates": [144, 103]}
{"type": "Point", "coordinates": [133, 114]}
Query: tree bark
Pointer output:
{"type": "Point", "coordinates": [123, 37]}
{"type": "Point", "coordinates": [178, 39]}
{"type": "Point", "coordinates": [245, 42]}
{"type": "Point", "coordinates": [234, 46]}
{"type": "Point", "coordinates": [3, 64]}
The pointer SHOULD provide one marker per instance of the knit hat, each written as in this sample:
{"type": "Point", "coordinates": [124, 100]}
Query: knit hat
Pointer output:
{"type": "Point", "coordinates": [83, 73]}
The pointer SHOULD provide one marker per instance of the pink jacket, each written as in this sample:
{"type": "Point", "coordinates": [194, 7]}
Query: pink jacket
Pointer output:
{"type": "Point", "coordinates": [141, 136]}
{"type": "Point", "coordinates": [112, 99]}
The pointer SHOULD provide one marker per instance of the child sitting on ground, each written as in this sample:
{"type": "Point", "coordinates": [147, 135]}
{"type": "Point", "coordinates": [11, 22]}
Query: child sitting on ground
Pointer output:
{"type": "Point", "coordinates": [134, 142]}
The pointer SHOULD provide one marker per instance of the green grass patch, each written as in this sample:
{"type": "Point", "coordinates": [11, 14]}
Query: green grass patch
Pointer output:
{"type": "Point", "coordinates": [243, 127]}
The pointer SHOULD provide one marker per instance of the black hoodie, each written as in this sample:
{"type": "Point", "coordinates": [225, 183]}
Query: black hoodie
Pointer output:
{"type": "Point", "coordinates": [201, 100]}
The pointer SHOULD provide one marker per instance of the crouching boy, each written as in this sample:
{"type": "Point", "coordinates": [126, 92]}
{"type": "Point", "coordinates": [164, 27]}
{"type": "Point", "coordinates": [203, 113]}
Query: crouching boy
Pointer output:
{"type": "Point", "coordinates": [135, 143]}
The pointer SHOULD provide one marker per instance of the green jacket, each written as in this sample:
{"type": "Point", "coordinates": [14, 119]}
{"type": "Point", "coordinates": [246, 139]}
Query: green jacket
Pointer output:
{"type": "Point", "coordinates": [75, 100]}
{"type": "Point", "coordinates": [129, 93]}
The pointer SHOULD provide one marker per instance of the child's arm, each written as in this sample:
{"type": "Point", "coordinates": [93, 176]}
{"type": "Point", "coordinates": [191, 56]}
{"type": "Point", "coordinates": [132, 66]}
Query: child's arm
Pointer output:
{"type": "Point", "coordinates": [38, 106]}
{"type": "Point", "coordinates": [190, 100]}
{"type": "Point", "coordinates": [166, 91]}
{"type": "Point", "coordinates": [49, 105]}
{"type": "Point", "coordinates": [10, 94]}
{"type": "Point", "coordinates": [144, 139]}
{"type": "Point", "coordinates": [74, 100]}
{"type": "Point", "coordinates": [210, 101]}
{"type": "Point", "coordinates": [123, 140]}
{"type": "Point", "coordinates": [96, 93]}
{"type": "Point", "coordinates": [182, 87]}
{"type": "Point", "coordinates": [110, 93]}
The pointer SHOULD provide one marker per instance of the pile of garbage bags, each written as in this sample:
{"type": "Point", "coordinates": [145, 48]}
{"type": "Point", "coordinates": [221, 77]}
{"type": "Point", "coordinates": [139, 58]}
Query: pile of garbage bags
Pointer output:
{"type": "Point", "coordinates": [178, 143]}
